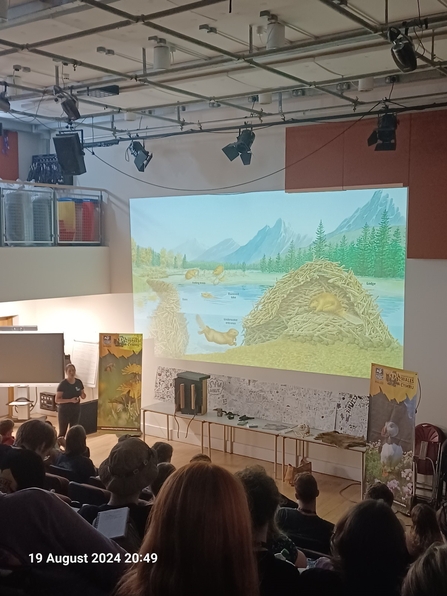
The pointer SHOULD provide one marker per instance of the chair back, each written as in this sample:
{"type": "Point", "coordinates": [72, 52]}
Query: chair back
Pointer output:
{"type": "Point", "coordinates": [428, 441]}
{"type": "Point", "coordinates": [68, 474]}
{"type": "Point", "coordinates": [57, 483]}
{"type": "Point", "coordinates": [93, 481]}
{"type": "Point", "coordinates": [88, 495]}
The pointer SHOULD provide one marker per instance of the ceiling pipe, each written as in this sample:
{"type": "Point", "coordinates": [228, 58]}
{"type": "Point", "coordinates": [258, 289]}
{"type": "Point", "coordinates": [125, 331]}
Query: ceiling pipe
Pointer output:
{"type": "Point", "coordinates": [118, 25]}
{"type": "Point", "coordinates": [202, 44]}
{"type": "Point", "coordinates": [319, 119]}
{"type": "Point", "coordinates": [142, 111]}
{"type": "Point", "coordinates": [143, 80]}
{"type": "Point", "coordinates": [376, 31]}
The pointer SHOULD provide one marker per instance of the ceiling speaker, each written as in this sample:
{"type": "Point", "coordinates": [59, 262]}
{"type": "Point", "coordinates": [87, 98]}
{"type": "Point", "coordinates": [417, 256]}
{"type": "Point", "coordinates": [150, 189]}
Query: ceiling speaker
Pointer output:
{"type": "Point", "coordinates": [69, 154]}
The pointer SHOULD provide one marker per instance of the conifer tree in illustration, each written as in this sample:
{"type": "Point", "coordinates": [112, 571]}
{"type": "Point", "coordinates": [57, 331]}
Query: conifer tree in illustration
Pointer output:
{"type": "Point", "coordinates": [263, 264]}
{"type": "Point", "coordinates": [320, 243]}
{"type": "Point", "coordinates": [382, 240]}
{"type": "Point", "coordinates": [290, 258]}
{"type": "Point", "coordinates": [278, 263]}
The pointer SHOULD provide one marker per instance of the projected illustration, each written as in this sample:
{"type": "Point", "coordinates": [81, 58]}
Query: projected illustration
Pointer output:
{"type": "Point", "coordinates": [311, 282]}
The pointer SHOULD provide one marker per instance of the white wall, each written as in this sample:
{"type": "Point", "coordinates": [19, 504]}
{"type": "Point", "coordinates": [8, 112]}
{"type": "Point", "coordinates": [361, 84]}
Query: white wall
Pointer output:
{"type": "Point", "coordinates": [56, 271]}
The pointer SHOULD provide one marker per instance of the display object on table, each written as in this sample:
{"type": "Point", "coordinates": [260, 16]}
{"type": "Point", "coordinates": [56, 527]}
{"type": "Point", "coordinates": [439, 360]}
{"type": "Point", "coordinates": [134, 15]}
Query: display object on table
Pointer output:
{"type": "Point", "coordinates": [48, 401]}
{"type": "Point", "coordinates": [292, 471]}
{"type": "Point", "coordinates": [191, 393]}
{"type": "Point", "coordinates": [391, 428]}
{"type": "Point", "coordinates": [341, 440]}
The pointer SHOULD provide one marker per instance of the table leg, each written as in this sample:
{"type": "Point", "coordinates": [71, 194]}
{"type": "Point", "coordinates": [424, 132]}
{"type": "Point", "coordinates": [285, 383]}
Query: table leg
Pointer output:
{"type": "Point", "coordinates": [232, 435]}
{"type": "Point", "coordinates": [144, 426]}
{"type": "Point", "coordinates": [283, 457]}
{"type": "Point", "coordinates": [296, 453]}
{"type": "Point", "coordinates": [209, 439]}
{"type": "Point", "coordinates": [276, 456]}
{"type": "Point", "coordinates": [201, 436]}
{"type": "Point", "coordinates": [224, 438]}
{"type": "Point", "coordinates": [362, 479]}
{"type": "Point", "coordinates": [167, 426]}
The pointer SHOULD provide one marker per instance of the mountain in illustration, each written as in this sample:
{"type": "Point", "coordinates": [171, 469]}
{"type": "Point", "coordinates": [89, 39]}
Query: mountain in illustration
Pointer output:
{"type": "Point", "coordinates": [191, 248]}
{"type": "Point", "coordinates": [268, 241]}
{"type": "Point", "coordinates": [371, 213]}
{"type": "Point", "coordinates": [219, 251]}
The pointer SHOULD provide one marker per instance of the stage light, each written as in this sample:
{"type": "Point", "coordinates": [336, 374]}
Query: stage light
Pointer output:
{"type": "Point", "coordinates": [384, 137]}
{"type": "Point", "coordinates": [241, 147]}
{"type": "Point", "coordinates": [402, 50]}
{"type": "Point", "coordinates": [69, 103]}
{"type": "Point", "coordinates": [5, 106]}
{"type": "Point", "coordinates": [141, 155]}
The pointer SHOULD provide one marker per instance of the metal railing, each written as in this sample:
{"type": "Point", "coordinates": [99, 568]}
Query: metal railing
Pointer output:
{"type": "Point", "coordinates": [39, 215]}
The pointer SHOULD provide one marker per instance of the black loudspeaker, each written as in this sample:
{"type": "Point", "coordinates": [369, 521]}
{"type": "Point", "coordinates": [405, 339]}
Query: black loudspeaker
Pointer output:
{"type": "Point", "coordinates": [69, 154]}
{"type": "Point", "coordinates": [89, 416]}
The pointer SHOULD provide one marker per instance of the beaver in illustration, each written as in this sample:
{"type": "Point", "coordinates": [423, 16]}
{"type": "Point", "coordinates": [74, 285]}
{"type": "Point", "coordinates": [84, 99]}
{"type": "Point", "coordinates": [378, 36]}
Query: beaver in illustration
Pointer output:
{"type": "Point", "coordinates": [217, 337]}
{"type": "Point", "coordinates": [327, 302]}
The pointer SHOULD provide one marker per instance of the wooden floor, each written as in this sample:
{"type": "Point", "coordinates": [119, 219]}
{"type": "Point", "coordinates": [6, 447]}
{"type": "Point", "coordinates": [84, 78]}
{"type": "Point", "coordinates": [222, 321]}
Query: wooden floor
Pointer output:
{"type": "Point", "coordinates": [336, 494]}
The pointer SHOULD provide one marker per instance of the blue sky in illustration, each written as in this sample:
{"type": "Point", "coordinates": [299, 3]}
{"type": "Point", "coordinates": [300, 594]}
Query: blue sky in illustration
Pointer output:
{"type": "Point", "coordinates": [169, 221]}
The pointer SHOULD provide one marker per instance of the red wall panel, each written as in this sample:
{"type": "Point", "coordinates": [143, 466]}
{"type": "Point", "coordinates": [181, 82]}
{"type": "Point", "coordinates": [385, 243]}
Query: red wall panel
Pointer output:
{"type": "Point", "coordinates": [9, 158]}
{"type": "Point", "coordinates": [324, 167]}
{"type": "Point", "coordinates": [419, 162]}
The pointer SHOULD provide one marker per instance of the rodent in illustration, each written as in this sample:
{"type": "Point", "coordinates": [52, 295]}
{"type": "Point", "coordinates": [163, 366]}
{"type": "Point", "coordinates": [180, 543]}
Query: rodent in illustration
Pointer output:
{"type": "Point", "coordinates": [218, 337]}
{"type": "Point", "coordinates": [327, 302]}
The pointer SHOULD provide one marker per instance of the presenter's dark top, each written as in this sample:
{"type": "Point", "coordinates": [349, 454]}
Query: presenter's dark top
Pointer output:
{"type": "Point", "coordinates": [70, 390]}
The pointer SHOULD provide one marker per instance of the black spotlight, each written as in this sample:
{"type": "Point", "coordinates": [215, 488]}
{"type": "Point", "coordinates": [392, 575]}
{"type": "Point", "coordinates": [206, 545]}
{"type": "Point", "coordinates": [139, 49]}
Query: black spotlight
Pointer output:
{"type": "Point", "coordinates": [402, 50]}
{"type": "Point", "coordinates": [69, 103]}
{"type": "Point", "coordinates": [241, 147]}
{"type": "Point", "coordinates": [142, 157]}
{"type": "Point", "coordinates": [384, 137]}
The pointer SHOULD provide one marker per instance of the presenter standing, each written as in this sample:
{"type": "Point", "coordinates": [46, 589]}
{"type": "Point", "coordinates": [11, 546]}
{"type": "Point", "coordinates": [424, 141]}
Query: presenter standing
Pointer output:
{"type": "Point", "coordinates": [69, 394]}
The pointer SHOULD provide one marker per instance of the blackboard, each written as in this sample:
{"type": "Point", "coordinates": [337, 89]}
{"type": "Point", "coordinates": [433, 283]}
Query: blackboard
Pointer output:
{"type": "Point", "coordinates": [31, 358]}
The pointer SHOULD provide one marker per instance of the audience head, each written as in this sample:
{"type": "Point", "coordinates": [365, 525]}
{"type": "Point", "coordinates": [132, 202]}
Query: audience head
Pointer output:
{"type": "Point", "coordinates": [200, 457]}
{"type": "Point", "coordinates": [204, 507]}
{"type": "Point", "coordinates": [306, 488]}
{"type": "Point", "coordinates": [442, 519]}
{"type": "Point", "coordinates": [130, 467]}
{"type": "Point", "coordinates": [36, 436]}
{"type": "Point", "coordinates": [262, 495]}
{"type": "Point", "coordinates": [23, 469]}
{"type": "Point", "coordinates": [164, 452]}
{"type": "Point", "coordinates": [6, 427]}
{"type": "Point", "coordinates": [379, 491]}
{"type": "Point", "coordinates": [425, 529]}
{"type": "Point", "coordinates": [164, 470]}
{"type": "Point", "coordinates": [76, 440]}
{"type": "Point", "coordinates": [428, 575]}
{"type": "Point", "coordinates": [369, 549]}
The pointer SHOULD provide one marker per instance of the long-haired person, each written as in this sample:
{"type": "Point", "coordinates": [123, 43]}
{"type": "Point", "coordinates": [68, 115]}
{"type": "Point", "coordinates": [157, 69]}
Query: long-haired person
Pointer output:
{"type": "Point", "coordinates": [428, 576]}
{"type": "Point", "coordinates": [424, 532]}
{"type": "Point", "coordinates": [369, 550]}
{"type": "Point", "coordinates": [201, 532]}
